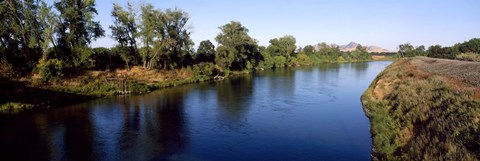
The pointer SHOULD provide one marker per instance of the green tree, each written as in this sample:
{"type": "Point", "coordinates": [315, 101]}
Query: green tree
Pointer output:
{"type": "Point", "coordinates": [171, 42]}
{"type": "Point", "coordinates": [177, 42]}
{"type": "Point", "coordinates": [77, 29]}
{"type": "Point", "coordinates": [284, 46]}
{"type": "Point", "coordinates": [329, 53]}
{"type": "Point", "coordinates": [48, 23]}
{"type": "Point", "coordinates": [279, 61]}
{"type": "Point", "coordinates": [20, 32]}
{"type": "Point", "coordinates": [147, 32]}
{"type": "Point", "coordinates": [205, 52]}
{"type": "Point", "coordinates": [309, 50]}
{"type": "Point", "coordinates": [267, 61]}
{"type": "Point", "coordinates": [234, 36]}
{"type": "Point", "coordinates": [361, 53]}
{"type": "Point", "coordinates": [224, 56]}
{"type": "Point", "coordinates": [473, 45]}
{"type": "Point", "coordinates": [124, 30]}
{"type": "Point", "coordinates": [303, 59]}
{"type": "Point", "coordinates": [420, 51]}
{"type": "Point", "coordinates": [406, 50]}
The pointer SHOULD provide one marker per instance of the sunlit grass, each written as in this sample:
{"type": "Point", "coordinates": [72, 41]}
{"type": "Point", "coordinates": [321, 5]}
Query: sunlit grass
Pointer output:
{"type": "Point", "coordinates": [418, 116]}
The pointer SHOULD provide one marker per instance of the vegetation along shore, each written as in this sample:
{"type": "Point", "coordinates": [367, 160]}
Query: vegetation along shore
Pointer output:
{"type": "Point", "coordinates": [425, 109]}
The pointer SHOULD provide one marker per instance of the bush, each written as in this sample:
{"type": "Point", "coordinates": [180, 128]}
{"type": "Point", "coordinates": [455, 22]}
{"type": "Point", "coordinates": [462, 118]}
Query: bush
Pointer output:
{"type": "Point", "coordinates": [468, 57]}
{"type": "Point", "coordinates": [50, 69]}
{"type": "Point", "coordinates": [303, 59]}
{"type": "Point", "coordinates": [279, 61]}
{"type": "Point", "coordinates": [206, 69]}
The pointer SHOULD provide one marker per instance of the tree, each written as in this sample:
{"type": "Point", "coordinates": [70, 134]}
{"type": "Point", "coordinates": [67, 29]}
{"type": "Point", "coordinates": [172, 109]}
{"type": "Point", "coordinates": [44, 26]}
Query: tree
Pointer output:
{"type": "Point", "coordinates": [420, 51]}
{"type": "Point", "coordinates": [437, 51]}
{"type": "Point", "coordinates": [361, 53]}
{"type": "Point", "coordinates": [205, 52]}
{"type": "Point", "coordinates": [330, 53]}
{"type": "Point", "coordinates": [235, 37]}
{"type": "Point", "coordinates": [225, 56]}
{"type": "Point", "coordinates": [309, 50]}
{"type": "Point", "coordinates": [284, 46]}
{"type": "Point", "coordinates": [20, 32]}
{"type": "Point", "coordinates": [147, 32]}
{"type": "Point", "coordinates": [77, 29]}
{"type": "Point", "coordinates": [177, 41]}
{"type": "Point", "coordinates": [473, 45]}
{"type": "Point", "coordinates": [405, 50]}
{"type": "Point", "coordinates": [48, 23]}
{"type": "Point", "coordinates": [125, 32]}
{"type": "Point", "coordinates": [167, 34]}
{"type": "Point", "coordinates": [267, 59]}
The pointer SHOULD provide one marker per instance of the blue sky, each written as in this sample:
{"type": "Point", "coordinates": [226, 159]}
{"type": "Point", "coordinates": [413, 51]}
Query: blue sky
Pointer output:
{"type": "Point", "coordinates": [386, 23]}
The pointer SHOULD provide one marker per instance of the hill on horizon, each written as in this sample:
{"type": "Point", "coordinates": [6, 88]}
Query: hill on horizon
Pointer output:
{"type": "Point", "coordinates": [352, 46]}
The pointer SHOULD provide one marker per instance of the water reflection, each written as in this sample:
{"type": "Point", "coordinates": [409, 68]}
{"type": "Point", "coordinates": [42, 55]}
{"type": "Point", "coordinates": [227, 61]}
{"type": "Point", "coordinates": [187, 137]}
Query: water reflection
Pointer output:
{"type": "Point", "coordinates": [307, 113]}
{"type": "Point", "coordinates": [360, 69]}
{"type": "Point", "coordinates": [135, 128]}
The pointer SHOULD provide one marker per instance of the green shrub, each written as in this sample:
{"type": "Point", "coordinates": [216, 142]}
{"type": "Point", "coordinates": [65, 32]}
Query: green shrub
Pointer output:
{"type": "Point", "coordinates": [341, 59]}
{"type": "Point", "coordinates": [13, 107]}
{"type": "Point", "coordinates": [205, 69]}
{"type": "Point", "coordinates": [468, 57]}
{"type": "Point", "coordinates": [303, 59]}
{"type": "Point", "coordinates": [50, 69]}
{"type": "Point", "coordinates": [279, 61]}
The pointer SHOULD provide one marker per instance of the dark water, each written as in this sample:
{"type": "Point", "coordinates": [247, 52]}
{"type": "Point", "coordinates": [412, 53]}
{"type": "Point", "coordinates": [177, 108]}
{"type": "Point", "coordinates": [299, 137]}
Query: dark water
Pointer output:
{"type": "Point", "coordinates": [311, 113]}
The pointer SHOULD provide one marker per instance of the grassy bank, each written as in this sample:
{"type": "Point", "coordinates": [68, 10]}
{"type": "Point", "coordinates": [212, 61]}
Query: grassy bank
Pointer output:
{"type": "Point", "coordinates": [425, 109]}
{"type": "Point", "coordinates": [31, 93]}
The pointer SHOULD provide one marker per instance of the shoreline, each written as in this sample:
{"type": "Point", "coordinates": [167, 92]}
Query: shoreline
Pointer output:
{"type": "Point", "coordinates": [417, 104]}
{"type": "Point", "coordinates": [93, 85]}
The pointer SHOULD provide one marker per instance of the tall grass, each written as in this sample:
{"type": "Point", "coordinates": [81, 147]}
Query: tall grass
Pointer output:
{"type": "Point", "coordinates": [468, 57]}
{"type": "Point", "coordinates": [421, 117]}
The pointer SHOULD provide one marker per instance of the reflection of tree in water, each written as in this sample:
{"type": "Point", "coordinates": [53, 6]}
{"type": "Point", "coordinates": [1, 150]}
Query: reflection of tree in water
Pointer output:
{"type": "Point", "coordinates": [78, 135]}
{"type": "Point", "coordinates": [281, 82]}
{"type": "Point", "coordinates": [21, 139]}
{"type": "Point", "coordinates": [61, 134]}
{"type": "Point", "coordinates": [329, 73]}
{"type": "Point", "coordinates": [360, 69]}
{"type": "Point", "coordinates": [328, 79]}
{"type": "Point", "coordinates": [234, 95]}
{"type": "Point", "coordinates": [154, 125]}
{"type": "Point", "coordinates": [134, 128]}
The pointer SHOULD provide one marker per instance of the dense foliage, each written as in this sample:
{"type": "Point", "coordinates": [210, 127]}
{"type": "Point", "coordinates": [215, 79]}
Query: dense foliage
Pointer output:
{"type": "Point", "coordinates": [472, 47]}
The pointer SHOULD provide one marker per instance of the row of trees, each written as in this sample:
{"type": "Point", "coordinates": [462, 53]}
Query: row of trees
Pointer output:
{"type": "Point", "coordinates": [52, 38]}
{"type": "Point", "coordinates": [437, 51]}
{"type": "Point", "coordinates": [33, 32]}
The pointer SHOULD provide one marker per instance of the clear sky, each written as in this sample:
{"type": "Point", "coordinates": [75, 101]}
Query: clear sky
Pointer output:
{"type": "Point", "coordinates": [385, 23]}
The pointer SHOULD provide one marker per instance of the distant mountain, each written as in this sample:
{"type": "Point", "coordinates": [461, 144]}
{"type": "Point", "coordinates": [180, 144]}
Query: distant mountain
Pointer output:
{"type": "Point", "coordinates": [349, 47]}
{"type": "Point", "coordinates": [376, 49]}
{"type": "Point", "coordinates": [352, 46]}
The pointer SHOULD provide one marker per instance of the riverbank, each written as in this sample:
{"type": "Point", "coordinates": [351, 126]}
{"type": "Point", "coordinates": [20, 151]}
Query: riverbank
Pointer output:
{"type": "Point", "coordinates": [425, 109]}
{"type": "Point", "coordinates": [29, 92]}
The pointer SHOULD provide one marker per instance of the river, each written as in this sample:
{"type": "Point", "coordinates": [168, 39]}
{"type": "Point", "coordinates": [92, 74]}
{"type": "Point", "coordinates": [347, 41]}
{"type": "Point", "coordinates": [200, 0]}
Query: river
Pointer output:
{"type": "Point", "coordinates": [305, 113]}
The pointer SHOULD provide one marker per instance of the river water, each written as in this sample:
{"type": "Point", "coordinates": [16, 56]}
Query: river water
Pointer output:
{"type": "Point", "coordinates": [305, 113]}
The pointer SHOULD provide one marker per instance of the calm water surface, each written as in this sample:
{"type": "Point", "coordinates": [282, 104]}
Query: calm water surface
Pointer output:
{"type": "Point", "coordinates": [310, 113]}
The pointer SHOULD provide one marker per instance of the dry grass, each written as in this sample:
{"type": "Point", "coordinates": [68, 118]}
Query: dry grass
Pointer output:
{"type": "Point", "coordinates": [425, 109]}
{"type": "Point", "coordinates": [382, 57]}
{"type": "Point", "coordinates": [466, 72]}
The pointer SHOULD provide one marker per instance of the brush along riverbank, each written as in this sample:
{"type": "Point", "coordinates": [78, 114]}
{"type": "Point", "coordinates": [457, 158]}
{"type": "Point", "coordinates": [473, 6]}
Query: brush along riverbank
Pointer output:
{"type": "Point", "coordinates": [30, 93]}
{"type": "Point", "coordinates": [425, 109]}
